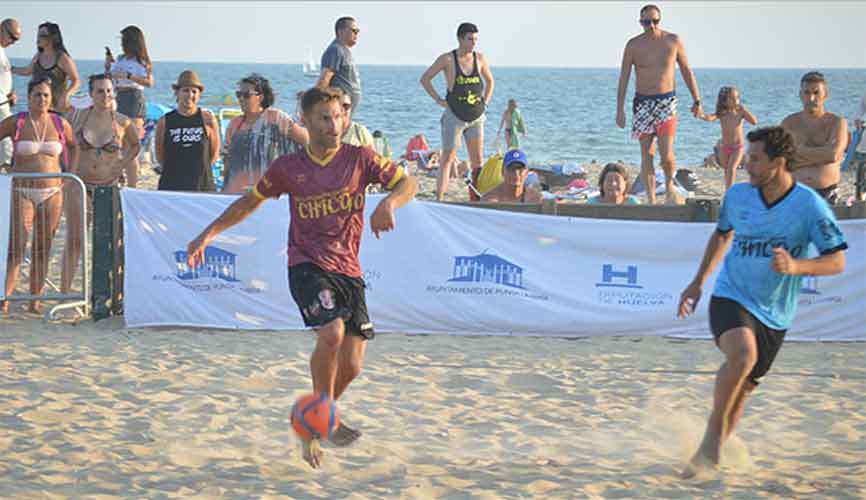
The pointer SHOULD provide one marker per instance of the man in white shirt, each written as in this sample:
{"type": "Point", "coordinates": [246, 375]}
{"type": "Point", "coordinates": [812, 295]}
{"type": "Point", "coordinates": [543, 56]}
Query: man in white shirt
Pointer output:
{"type": "Point", "coordinates": [10, 32]}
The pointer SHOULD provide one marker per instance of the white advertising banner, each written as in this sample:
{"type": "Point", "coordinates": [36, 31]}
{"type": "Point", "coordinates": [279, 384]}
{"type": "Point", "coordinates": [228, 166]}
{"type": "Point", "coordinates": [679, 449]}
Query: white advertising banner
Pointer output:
{"type": "Point", "coordinates": [243, 283]}
{"type": "Point", "coordinates": [459, 270]}
{"type": "Point", "coordinates": [5, 215]}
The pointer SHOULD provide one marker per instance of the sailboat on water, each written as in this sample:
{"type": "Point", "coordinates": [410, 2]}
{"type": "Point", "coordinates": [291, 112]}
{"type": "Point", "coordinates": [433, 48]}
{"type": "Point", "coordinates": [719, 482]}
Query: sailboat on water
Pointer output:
{"type": "Point", "coordinates": [311, 67]}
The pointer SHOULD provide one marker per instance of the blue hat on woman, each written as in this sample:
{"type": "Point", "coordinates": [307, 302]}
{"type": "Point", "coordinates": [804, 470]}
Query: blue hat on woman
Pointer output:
{"type": "Point", "coordinates": [515, 156]}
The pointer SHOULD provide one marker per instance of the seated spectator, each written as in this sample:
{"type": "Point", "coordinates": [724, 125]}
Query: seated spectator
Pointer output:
{"type": "Point", "coordinates": [355, 134]}
{"type": "Point", "coordinates": [613, 184]}
{"type": "Point", "coordinates": [513, 187]}
{"type": "Point", "coordinates": [416, 147]}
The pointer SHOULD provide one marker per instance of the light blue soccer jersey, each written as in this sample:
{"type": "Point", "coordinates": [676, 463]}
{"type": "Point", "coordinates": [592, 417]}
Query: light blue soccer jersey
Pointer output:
{"type": "Point", "coordinates": [794, 221]}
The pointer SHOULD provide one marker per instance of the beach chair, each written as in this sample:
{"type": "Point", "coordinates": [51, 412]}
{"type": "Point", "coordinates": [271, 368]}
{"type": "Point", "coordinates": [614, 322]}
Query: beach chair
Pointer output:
{"type": "Point", "coordinates": [638, 188]}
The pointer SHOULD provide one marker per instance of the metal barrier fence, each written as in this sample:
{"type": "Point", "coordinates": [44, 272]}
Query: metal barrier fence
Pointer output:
{"type": "Point", "coordinates": [49, 243]}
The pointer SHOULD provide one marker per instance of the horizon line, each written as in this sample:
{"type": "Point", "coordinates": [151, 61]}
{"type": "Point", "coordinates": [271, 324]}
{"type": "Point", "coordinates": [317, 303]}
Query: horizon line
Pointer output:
{"type": "Point", "coordinates": [510, 66]}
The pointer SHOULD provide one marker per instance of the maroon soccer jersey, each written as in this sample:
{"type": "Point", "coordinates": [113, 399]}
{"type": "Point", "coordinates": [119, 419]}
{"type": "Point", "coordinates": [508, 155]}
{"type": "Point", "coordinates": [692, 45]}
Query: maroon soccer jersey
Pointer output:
{"type": "Point", "coordinates": [326, 197]}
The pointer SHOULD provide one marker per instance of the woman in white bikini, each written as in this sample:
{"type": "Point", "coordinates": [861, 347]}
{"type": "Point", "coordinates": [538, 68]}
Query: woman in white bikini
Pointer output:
{"type": "Point", "coordinates": [40, 138]}
{"type": "Point", "coordinates": [108, 143]}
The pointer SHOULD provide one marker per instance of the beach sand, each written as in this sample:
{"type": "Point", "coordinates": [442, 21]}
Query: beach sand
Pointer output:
{"type": "Point", "coordinates": [94, 410]}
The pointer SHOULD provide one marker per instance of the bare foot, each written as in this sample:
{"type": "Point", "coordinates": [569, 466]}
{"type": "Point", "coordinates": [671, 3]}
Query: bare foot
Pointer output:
{"type": "Point", "coordinates": [344, 435]}
{"type": "Point", "coordinates": [313, 453]}
{"type": "Point", "coordinates": [674, 198]}
{"type": "Point", "coordinates": [4, 306]}
{"type": "Point", "coordinates": [35, 307]}
{"type": "Point", "coordinates": [699, 463]}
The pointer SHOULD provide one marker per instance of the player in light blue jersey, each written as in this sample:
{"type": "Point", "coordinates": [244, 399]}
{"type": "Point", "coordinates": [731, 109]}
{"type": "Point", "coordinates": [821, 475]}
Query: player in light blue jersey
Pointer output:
{"type": "Point", "coordinates": [773, 222]}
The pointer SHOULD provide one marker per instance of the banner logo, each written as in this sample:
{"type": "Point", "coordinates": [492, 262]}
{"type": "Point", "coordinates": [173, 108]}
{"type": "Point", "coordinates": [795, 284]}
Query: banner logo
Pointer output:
{"type": "Point", "coordinates": [218, 263]}
{"type": "Point", "coordinates": [811, 295]}
{"type": "Point", "coordinates": [619, 286]}
{"type": "Point", "coordinates": [810, 285]}
{"type": "Point", "coordinates": [487, 274]}
{"type": "Point", "coordinates": [625, 278]}
{"type": "Point", "coordinates": [487, 268]}
{"type": "Point", "coordinates": [218, 272]}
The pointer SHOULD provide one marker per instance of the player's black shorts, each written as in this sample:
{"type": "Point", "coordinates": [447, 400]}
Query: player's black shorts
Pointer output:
{"type": "Point", "coordinates": [323, 297]}
{"type": "Point", "coordinates": [726, 314]}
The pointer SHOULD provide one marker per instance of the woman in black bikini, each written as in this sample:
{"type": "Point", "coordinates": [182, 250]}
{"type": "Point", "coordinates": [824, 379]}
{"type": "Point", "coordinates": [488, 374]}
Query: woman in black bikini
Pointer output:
{"type": "Point", "coordinates": [109, 147]}
{"type": "Point", "coordinates": [53, 61]}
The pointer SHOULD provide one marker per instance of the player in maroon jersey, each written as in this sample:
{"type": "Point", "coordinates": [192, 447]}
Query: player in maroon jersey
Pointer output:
{"type": "Point", "coordinates": [326, 186]}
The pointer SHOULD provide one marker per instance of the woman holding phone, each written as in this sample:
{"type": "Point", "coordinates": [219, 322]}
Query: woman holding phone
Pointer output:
{"type": "Point", "coordinates": [131, 72]}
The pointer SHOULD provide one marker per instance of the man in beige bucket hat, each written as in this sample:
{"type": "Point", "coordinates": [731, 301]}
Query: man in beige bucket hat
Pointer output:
{"type": "Point", "coordinates": [187, 140]}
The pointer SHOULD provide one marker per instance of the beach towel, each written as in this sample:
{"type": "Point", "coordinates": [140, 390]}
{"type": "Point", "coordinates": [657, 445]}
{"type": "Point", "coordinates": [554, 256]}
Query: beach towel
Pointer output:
{"type": "Point", "coordinates": [490, 175]}
{"type": "Point", "coordinates": [639, 188]}
{"type": "Point", "coordinates": [517, 128]}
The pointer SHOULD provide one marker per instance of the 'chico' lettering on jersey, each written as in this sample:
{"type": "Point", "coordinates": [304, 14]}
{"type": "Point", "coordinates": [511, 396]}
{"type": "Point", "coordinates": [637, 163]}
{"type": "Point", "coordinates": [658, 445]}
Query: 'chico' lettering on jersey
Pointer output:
{"type": "Point", "coordinates": [326, 199]}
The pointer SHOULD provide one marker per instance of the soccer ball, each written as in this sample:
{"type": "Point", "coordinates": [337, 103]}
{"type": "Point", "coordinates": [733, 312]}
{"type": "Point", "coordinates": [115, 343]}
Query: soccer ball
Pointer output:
{"type": "Point", "coordinates": [315, 416]}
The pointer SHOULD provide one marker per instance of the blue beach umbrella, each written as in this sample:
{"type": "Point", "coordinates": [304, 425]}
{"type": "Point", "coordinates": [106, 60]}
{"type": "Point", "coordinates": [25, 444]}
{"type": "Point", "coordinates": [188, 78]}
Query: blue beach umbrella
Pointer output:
{"type": "Point", "coordinates": [155, 111]}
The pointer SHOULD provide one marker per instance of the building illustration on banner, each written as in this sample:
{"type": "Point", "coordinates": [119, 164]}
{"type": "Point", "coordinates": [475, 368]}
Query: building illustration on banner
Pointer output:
{"type": "Point", "coordinates": [487, 274]}
{"type": "Point", "coordinates": [218, 264]}
{"type": "Point", "coordinates": [809, 285]}
{"type": "Point", "coordinates": [487, 268]}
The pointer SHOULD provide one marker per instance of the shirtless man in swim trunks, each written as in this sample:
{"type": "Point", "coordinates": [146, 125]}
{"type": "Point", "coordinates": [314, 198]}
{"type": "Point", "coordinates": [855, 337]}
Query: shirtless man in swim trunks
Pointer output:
{"type": "Point", "coordinates": [464, 104]}
{"type": "Point", "coordinates": [326, 183]}
{"type": "Point", "coordinates": [654, 55]}
{"type": "Point", "coordinates": [820, 138]}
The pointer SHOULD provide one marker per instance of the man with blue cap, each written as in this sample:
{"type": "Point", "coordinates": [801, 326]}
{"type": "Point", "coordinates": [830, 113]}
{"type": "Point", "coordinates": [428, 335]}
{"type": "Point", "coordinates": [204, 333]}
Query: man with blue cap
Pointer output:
{"type": "Point", "coordinates": [513, 187]}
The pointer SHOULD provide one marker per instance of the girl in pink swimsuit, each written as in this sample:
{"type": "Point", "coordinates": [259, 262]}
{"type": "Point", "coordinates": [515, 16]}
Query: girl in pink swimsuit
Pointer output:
{"type": "Point", "coordinates": [730, 113]}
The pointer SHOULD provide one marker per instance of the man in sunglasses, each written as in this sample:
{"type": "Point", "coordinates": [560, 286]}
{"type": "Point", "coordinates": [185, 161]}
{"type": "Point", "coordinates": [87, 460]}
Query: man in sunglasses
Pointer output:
{"type": "Point", "coordinates": [654, 55]}
{"type": "Point", "coordinates": [338, 67]}
{"type": "Point", "coordinates": [10, 32]}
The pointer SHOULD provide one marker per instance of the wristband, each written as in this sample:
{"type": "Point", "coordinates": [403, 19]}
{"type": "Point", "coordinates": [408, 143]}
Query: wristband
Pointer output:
{"type": "Point", "coordinates": [697, 102]}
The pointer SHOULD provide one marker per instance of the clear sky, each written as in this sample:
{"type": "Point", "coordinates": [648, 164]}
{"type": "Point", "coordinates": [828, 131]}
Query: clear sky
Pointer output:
{"type": "Point", "coordinates": [564, 34]}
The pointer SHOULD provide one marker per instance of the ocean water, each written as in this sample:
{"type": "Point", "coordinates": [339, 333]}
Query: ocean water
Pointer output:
{"type": "Point", "coordinates": [570, 112]}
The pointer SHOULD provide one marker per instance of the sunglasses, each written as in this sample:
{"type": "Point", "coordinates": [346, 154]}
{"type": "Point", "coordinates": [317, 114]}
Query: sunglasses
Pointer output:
{"type": "Point", "coordinates": [245, 95]}
{"type": "Point", "coordinates": [10, 34]}
{"type": "Point", "coordinates": [356, 30]}
{"type": "Point", "coordinates": [647, 22]}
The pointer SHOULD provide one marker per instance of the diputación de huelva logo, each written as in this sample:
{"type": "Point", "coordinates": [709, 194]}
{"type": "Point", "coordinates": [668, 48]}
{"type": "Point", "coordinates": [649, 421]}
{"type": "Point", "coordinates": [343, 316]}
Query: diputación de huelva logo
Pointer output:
{"type": "Point", "coordinates": [620, 286]}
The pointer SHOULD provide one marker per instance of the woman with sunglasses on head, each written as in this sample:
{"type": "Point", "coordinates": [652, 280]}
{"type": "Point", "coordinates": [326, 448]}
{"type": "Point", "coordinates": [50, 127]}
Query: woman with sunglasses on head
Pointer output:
{"type": "Point", "coordinates": [53, 61]}
{"type": "Point", "coordinates": [258, 137]}
{"type": "Point", "coordinates": [40, 138]}
{"type": "Point", "coordinates": [131, 72]}
{"type": "Point", "coordinates": [108, 148]}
